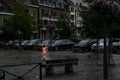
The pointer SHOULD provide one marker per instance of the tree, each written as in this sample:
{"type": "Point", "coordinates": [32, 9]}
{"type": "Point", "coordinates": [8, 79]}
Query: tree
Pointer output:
{"type": "Point", "coordinates": [63, 23]}
{"type": "Point", "coordinates": [109, 12]}
{"type": "Point", "coordinates": [92, 24]}
{"type": "Point", "coordinates": [21, 23]}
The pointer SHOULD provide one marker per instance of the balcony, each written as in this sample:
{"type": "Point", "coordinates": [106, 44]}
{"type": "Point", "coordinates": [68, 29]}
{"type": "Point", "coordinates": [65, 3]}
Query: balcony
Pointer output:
{"type": "Point", "coordinates": [4, 9]}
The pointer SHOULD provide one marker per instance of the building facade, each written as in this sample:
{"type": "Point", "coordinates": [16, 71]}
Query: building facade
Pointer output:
{"type": "Point", "coordinates": [45, 13]}
{"type": "Point", "coordinates": [75, 15]}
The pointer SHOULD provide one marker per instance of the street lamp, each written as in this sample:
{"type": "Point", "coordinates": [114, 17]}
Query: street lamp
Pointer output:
{"type": "Point", "coordinates": [50, 28]}
{"type": "Point", "coordinates": [20, 39]}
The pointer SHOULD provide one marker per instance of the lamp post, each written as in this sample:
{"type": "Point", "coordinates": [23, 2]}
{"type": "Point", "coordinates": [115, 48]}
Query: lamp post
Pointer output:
{"type": "Point", "coordinates": [20, 39]}
{"type": "Point", "coordinates": [38, 22]}
{"type": "Point", "coordinates": [51, 27]}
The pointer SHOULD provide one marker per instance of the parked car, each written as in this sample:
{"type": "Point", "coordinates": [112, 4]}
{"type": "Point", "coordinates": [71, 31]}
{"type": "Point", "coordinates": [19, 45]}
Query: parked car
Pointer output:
{"type": "Point", "coordinates": [2, 44]}
{"type": "Point", "coordinates": [31, 43]}
{"type": "Point", "coordinates": [47, 43]}
{"type": "Point", "coordinates": [24, 42]}
{"type": "Point", "coordinates": [62, 44]}
{"type": "Point", "coordinates": [17, 44]}
{"type": "Point", "coordinates": [84, 45]}
{"type": "Point", "coordinates": [115, 45]}
{"type": "Point", "coordinates": [10, 44]}
{"type": "Point", "coordinates": [76, 39]}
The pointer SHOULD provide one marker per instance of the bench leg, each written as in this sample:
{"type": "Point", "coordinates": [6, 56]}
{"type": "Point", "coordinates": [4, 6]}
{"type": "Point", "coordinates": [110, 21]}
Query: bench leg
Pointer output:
{"type": "Point", "coordinates": [49, 70]}
{"type": "Point", "coordinates": [68, 68]}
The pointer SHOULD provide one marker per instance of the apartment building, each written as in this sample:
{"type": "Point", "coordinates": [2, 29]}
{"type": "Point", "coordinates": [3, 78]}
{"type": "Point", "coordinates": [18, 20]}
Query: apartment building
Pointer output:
{"type": "Point", "coordinates": [75, 16]}
{"type": "Point", "coordinates": [45, 14]}
{"type": "Point", "coordinates": [4, 11]}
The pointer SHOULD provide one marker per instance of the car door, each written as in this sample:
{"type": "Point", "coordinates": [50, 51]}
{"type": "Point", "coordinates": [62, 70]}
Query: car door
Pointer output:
{"type": "Point", "coordinates": [70, 44]}
{"type": "Point", "coordinates": [65, 44]}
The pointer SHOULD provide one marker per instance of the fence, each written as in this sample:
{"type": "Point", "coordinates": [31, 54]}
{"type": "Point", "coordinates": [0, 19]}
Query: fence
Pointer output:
{"type": "Point", "coordinates": [21, 77]}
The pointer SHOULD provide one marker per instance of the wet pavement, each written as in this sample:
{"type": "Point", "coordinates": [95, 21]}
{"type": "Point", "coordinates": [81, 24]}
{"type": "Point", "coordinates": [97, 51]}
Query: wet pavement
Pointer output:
{"type": "Point", "coordinates": [89, 66]}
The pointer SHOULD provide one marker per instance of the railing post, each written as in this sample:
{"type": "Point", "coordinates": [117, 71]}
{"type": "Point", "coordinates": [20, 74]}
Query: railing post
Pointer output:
{"type": "Point", "coordinates": [40, 71]}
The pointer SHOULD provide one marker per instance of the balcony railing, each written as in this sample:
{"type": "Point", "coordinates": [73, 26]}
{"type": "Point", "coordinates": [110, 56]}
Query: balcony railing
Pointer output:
{"type": "Point", "coordinates": [4, 9]}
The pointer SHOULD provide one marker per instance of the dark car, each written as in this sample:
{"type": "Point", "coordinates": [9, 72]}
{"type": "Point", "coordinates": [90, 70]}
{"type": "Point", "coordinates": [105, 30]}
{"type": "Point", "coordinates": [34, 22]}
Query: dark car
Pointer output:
{"type": "Point", "coordinates": [31, 43]}
{"type": "Point", "coordinates": [47, 43]}
{"type": "Point", "coordinates": [76, 39]}
{"type": "Point", "coordinates": [62, 44]}
{"type": "Point", "coordinates": [115, 45]}
{"type": "Point", "coordinates": [17, 44]}
{"type": "Point", "coordinates": [2, 44]}
{"type": "Point", "coordinates": [10, 44]}
{"type": "Point", "coordinates": [83, 45]}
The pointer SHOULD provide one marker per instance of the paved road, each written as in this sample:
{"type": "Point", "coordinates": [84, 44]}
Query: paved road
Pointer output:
{"type": "Point", "coordinates": [86, 69]}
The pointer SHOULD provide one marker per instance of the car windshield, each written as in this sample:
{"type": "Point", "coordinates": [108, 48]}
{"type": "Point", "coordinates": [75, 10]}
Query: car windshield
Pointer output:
{"type": "Point", "coordinates": [58, 42]}
{"type": "Point", "coordinates": [32, 41]}
{"type": "Point", "coordinates": [24, 42]}
{"type": "Point", "coordinates": [102, 40]}
{"type": "Point", "coordinates": [84, 41]}
{"type": "Point", "coordinates": [45, 42]}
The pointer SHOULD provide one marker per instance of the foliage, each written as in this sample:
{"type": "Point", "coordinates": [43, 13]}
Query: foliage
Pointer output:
{"type": "Point", "coordinates": [21, 22]}
{"type": "Point", "coordinates": [101, 12]}
{"type": "Point", "coordinates": [64, 24]}
{"type": "Point", "coordinates": [93, 24]}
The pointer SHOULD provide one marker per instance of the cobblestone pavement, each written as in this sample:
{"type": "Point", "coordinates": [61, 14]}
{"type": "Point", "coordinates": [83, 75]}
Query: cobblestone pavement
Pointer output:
{"type": "Point", "coordinates": [89, 66]}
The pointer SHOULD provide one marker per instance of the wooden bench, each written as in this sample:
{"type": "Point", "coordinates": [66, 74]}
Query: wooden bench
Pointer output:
{"type": "Point", "coordinates": [68, 62]}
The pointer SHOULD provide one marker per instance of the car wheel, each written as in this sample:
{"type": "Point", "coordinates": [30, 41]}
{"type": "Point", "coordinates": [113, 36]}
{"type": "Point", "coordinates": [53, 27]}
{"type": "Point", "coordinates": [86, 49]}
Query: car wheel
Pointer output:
{"type": "Point", "coordinates": [56, 48]}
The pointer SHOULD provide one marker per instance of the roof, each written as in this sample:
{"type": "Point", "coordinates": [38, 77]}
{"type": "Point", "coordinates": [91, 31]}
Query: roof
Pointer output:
{"type": "Point", "coordinates": [69, 2]}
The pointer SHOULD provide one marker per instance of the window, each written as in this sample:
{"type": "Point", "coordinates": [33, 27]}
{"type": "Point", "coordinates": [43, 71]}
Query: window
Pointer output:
{"type": "Point", "coordinates": [72, 17]}
{"type": "Point", "coordinates": [34, 2]}
{"type": "Point", "coordinates": [42, 11]}
{"type": "Point", "coordinates": [59, 5]}
{"type": "Point", "coordinates": [45, 12]}
{"type": "Point", "coordinates": [42, 1]}
{"type": "Point", "coordinates": [45, 22]}
{"type": "Point", "coordinates": [72, 9]}
{"type": "Point", "coordinates": [72, 24]}
{"type": "Point", "coordinates": [54, 3]}
{"type": "Point", "coordinates": [77, 4]}
{"type": "Point", "coordinates": [54, 13]}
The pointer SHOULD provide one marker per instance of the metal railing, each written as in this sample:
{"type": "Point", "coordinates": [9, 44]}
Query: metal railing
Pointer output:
{"type": "Point", "coordinates": [21, 77]}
